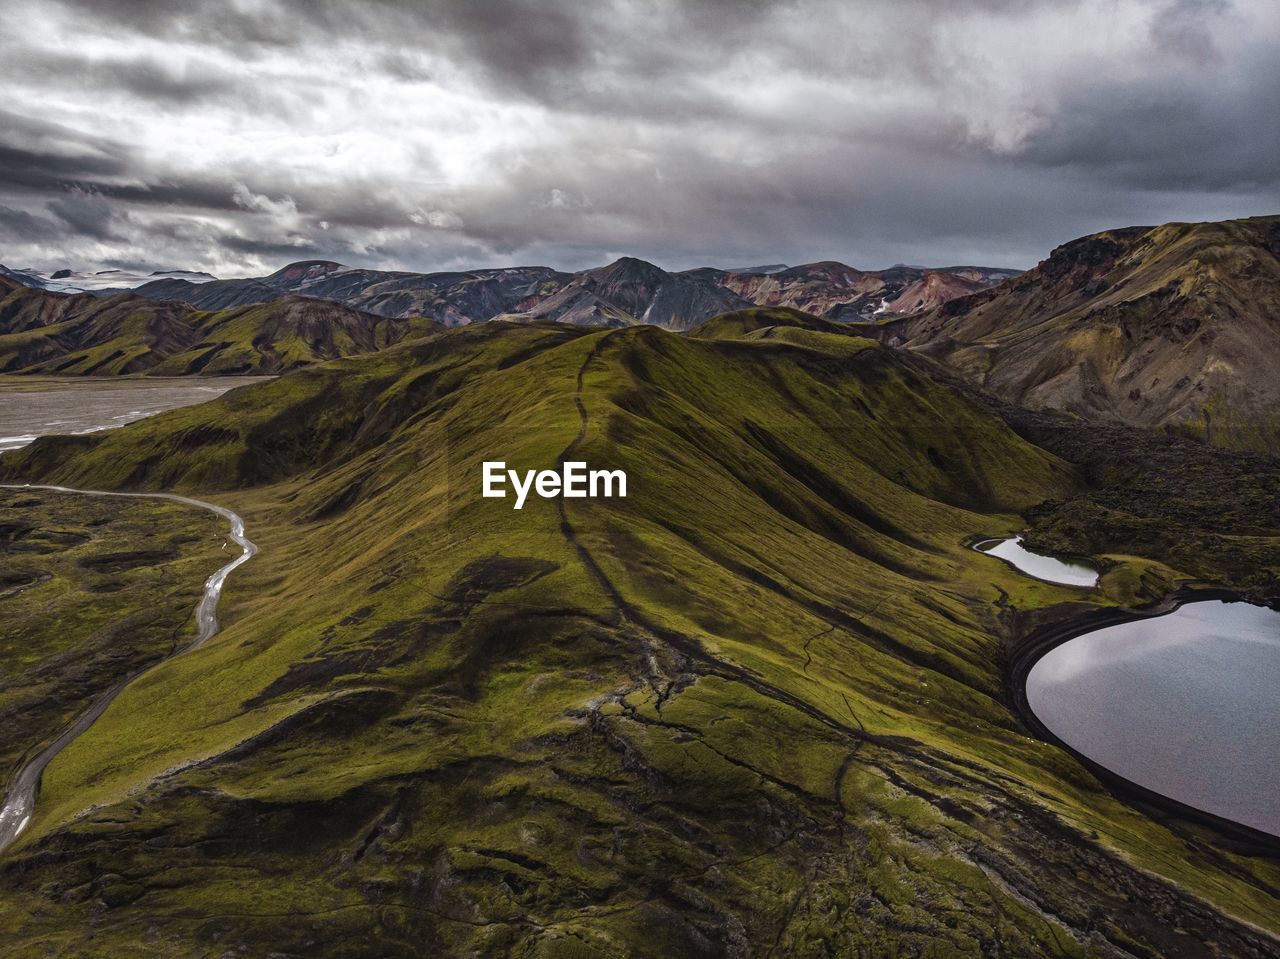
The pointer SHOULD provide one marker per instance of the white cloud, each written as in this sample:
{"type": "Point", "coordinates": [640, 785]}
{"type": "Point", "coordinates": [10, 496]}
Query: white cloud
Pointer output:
{"type": "Point", "coordinates": [283, 211]}
{"type": "Point", "coordinates": [437, 219]}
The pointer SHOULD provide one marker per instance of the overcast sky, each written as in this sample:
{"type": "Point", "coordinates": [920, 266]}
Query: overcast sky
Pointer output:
{"type": "Point", "coordinates": [239, 137]}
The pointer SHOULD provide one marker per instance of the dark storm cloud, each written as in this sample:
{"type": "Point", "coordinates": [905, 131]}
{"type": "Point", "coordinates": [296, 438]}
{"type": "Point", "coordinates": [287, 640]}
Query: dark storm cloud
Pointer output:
{"type": "Point", "coordinates": [235, 136]}
{"type": "Point", "coordinates": [283, 252]}
{"type": "Point", "coordinates": [146, 77]}
{"type": "Point", "coordinates": [41, 170]}
{"type": "Point", "coordinates": [38, 155]}
{"type": "Point", "coordinates": [1166, 133]}
{"type": "Point", "coordinates": [88, 214]}
{"type": "Point", "coordinates": [21, 223]}
{"type": "Point", "coordinates": [220, 23]}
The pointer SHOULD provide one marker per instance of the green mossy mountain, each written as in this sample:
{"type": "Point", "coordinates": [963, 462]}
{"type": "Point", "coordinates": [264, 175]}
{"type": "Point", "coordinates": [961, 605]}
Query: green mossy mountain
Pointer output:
{"type": "Point", "coordinates": [754, 708]}
{"type": "Point", "coordinates": [1171, 326]}
{"type": "Point", "coordinates": [82, 334]}
{"type": "Point", "coordinates": [765, 322]}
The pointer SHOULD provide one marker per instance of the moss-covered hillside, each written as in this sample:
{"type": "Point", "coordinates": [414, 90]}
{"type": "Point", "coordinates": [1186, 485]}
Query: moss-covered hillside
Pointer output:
{"type": "Point", "coordinates": [752, 709]}
{"type": "Point", "coordinates": [81, 334]}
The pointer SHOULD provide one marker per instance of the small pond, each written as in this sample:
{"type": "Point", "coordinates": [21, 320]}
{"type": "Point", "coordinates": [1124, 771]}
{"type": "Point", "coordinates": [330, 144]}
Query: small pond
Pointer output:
{"type": "Point", "coordinates": [1048, 568]}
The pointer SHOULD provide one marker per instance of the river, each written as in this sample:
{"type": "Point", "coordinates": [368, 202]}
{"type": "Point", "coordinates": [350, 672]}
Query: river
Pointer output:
{"type": "Point", "coordinates": [31, 407]}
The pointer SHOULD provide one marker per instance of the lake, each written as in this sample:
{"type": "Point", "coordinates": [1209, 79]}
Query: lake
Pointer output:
{"type": "Point", "coordinates": [1187, 705]}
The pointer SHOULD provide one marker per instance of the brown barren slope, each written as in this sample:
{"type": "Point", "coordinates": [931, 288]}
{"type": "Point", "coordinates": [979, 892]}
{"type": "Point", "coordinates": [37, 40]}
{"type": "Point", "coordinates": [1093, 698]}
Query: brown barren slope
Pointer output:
{"type": "Point", "coordinates": [1176, 325]}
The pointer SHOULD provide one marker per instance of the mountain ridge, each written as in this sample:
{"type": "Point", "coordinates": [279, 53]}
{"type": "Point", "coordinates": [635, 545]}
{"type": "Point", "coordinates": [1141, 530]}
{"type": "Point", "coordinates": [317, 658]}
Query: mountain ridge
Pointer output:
{"type": "Point", "coordinates": [83, 334]}
{"type": "Point", "coordinates": [1172, 326]}
{"type": "Point", "coordinates": [757, 701]}
{"type": "Point", "coordinates": [627, 291]}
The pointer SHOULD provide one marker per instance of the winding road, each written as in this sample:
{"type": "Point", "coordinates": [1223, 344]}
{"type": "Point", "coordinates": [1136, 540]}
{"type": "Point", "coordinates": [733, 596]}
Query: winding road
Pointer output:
{"type": "Point", "coordinates": [20, 800]}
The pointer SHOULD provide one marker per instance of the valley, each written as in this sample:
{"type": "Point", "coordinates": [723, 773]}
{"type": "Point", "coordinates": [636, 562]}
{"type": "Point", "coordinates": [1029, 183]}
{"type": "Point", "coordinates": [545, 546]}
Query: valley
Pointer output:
{"type": "Point", "coordinates": [19, 804]}
{"type": "Point", "coordinates": [760, 701]}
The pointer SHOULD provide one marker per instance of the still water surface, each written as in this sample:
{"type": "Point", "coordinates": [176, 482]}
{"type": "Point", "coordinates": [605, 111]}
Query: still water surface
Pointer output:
{"type": "Point", "coordinates": [1048, 568]}
{"type": "Point", "coordinates": [31, 408]}
{"type": "Point", "coordinates": [1187, 705]}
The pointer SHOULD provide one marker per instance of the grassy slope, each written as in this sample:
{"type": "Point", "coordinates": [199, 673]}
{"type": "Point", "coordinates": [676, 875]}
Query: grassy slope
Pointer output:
{"type": "Point", "coordinates": [43, 332]}
{"type": "Point", "coordinates": [91, 591]}
{"type": "Point", "coordinates": [754, 706]}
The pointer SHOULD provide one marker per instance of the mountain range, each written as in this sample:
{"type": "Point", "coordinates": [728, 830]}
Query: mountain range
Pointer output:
{"type": "Point", "coordinates": [1171, 327]}
{"type": "Point", "coordinates": [625, 292]}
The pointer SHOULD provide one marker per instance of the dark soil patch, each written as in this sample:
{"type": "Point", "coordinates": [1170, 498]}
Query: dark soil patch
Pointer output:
{"type": "Point", "coordinates": [126, 560]}
{"type": "Point", "coordinates": [477, 580]}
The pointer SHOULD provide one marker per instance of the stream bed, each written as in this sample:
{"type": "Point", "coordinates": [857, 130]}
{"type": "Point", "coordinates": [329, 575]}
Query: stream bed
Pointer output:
{"type": "Point", "coordinates": [31, 407]}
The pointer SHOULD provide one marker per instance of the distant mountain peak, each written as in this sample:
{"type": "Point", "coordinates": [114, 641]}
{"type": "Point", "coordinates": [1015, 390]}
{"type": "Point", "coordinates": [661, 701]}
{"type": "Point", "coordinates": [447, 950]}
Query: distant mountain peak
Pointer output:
{"type": "Point", "coordinates": [185, 274]}
{"type": "Point", "coordinates": [326, 266]}
{"type": "Point", "coordinates": [303, 270]}
{"type": "Point", "coordinates": [628, 264]}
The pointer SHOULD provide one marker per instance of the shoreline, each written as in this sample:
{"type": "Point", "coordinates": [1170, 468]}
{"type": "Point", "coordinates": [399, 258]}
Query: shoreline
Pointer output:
{"type": "Point", "coordinates": [24, 382]}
